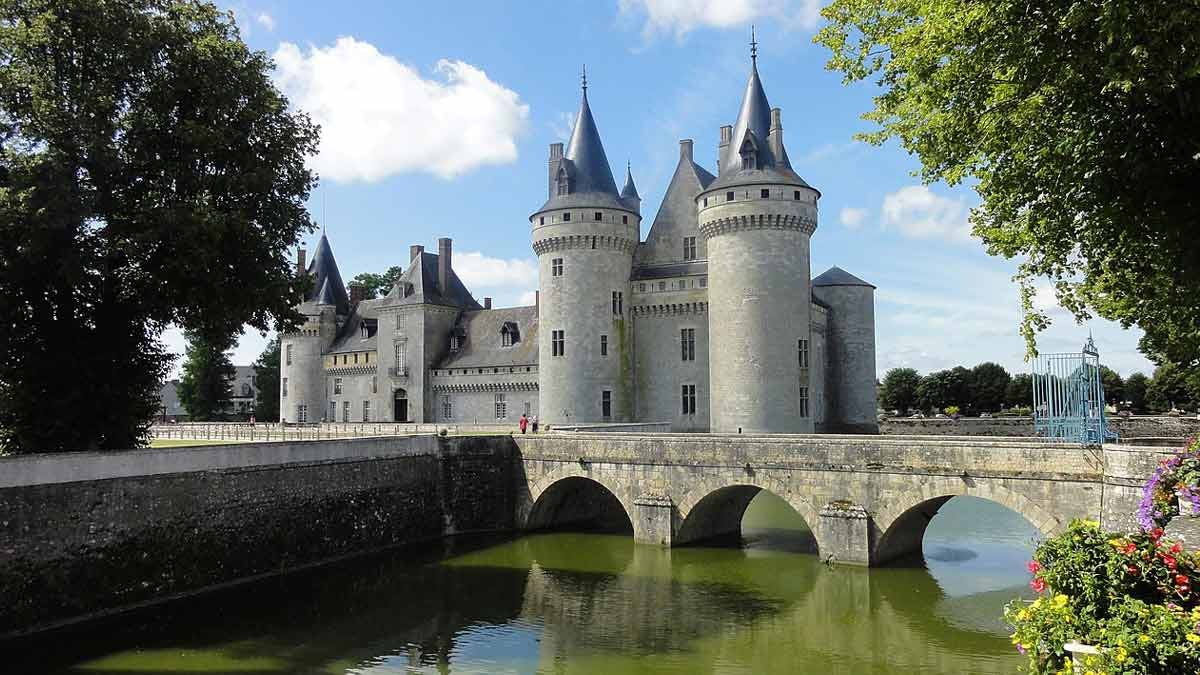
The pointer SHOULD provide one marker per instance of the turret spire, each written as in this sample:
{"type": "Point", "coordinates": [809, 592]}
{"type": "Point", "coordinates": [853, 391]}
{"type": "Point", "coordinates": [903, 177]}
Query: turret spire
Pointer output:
{"type": "Point", "coordinates": [591, 170]}
{"type": "Point", "coordinates": [753, 47]}
{"type": "Point", "coordinates": [584, 78]}
{"type": "Point", "coordinates": [753, 124]}
{"type": "Point", "coordinates": [630, 190]}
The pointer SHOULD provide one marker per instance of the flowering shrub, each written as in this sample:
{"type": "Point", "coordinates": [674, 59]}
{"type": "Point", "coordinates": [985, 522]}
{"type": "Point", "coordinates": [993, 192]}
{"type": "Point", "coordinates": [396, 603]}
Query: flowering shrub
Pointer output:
{"type": "Point", "coordinates": [1177, 475]}
{"type": "Point", "coordinates": [1129, 595]}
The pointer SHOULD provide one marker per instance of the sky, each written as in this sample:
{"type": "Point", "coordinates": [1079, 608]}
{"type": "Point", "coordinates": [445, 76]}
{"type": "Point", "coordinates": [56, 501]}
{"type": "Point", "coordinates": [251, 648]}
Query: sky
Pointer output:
{"type": "Point", "coordinates": [436, 122]}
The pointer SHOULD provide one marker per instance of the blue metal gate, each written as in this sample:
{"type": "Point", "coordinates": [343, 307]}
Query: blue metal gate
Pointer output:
{"type": "Point", "coordinates": [1068, 397]}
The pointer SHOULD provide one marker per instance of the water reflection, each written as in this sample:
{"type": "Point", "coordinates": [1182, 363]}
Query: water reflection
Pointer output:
{"type": "Point", "coordinates": [582, 603]}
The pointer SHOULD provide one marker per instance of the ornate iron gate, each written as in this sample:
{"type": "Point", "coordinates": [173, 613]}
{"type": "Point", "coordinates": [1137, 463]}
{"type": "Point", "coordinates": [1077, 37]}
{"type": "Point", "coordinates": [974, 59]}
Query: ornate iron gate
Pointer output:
{"type": "Point", "coordinates": [1068, 397]}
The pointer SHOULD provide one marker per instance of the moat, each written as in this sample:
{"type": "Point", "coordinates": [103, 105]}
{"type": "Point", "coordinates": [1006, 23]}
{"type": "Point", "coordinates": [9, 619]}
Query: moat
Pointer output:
{"type": "Point", "coordinates": [590, 603]}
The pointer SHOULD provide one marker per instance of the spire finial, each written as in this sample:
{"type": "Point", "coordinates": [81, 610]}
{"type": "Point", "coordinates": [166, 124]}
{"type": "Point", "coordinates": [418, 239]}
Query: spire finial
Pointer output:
{"type": "Point", "coordinates": [753, 46]}
{"type": "Point", "coordinates": [584, 77]}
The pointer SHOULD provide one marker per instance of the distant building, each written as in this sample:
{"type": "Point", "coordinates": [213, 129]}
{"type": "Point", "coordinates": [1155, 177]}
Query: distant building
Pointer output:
{"type": "Point", "coordinates": [169, 407]}
{"type": "Point", "coordinates": [713, 323]}
{"type": "Point", "coordinates": [241, 403]}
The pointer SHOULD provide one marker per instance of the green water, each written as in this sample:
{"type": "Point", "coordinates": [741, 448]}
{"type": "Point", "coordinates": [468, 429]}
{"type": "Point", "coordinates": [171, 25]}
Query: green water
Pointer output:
{"type": "Point", "coordinates": [587, 603]}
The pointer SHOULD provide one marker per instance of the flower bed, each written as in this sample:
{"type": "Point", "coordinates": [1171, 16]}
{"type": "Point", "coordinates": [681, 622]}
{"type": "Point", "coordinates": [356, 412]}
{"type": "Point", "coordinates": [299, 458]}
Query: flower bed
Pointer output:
{"type": "Point", "coordinates": [1173, 486]}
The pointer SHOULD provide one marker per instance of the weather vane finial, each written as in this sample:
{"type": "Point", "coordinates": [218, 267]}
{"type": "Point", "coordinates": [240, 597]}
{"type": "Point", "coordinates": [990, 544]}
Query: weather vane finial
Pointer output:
{"type": "Point", "coordinates": [753, 46]}
{"type": "Point", "coordinates": [584, 78]}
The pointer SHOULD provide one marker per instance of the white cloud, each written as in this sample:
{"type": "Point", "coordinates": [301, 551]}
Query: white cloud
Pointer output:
{"type": "Point", "coordinates": [508, 281]}
{"type": "Point", "coordinates": [266, 21]}
{"type": "Point", "coordinates": [380, 117]}
{"type": "Point", "coordinates": [527, 298]}
{"type": "Point", "coordinates": [562, 126]}
{"type": "Point", "coordinates": [852, 218]}
{"type": "Point", "coordinates": [680, 17]}
{"type": "Point", "coordinates": [918, 213]}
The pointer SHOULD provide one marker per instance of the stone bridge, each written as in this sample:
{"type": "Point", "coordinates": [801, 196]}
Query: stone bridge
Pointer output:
{"type": "Point", "coordinates": [867, 499]}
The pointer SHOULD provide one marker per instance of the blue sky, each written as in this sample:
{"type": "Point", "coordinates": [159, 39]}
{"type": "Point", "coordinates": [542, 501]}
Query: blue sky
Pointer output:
{"type": "Point", "coordinates": [437, 119]}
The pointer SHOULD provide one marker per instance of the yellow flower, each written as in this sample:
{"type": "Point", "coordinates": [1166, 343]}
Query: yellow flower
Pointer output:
{"type": "Point", "coordinates": [1122, 655]}
{"type": "Point", "coordinates": [1193, 638]}
{"type": "Point", "coordinates": [1060, 600]}
{"type": "Point", "coordinates": [1022, 615]}
{"type": "Point", "coordinates": [1143, 639]}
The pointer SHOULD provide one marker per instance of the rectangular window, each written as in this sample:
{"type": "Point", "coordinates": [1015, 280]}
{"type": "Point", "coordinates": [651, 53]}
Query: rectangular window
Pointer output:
{"type": "Point", "coordinates": [506, 339]}
{"type": "Point", "coordinates": [447, 407]}
{"type": "Point", "coordinates": [528, 407]}
{"type": "Point", "coordinates": [556, 267]}
{"type": "Point", "coordinates": [624, 220]}
{"type": "Point", "coordinates": [681, 284]}
{"type": "Point", "coordinates": [558, 348]}
{"type": "Point", "coordinates": [501, 407]}
{"type": "Point", "coordinates": [356, 357]}
{"type": "Point", "coordinates": [401, 354]}
{"type": "Point", "coordinates": [765, 194]}
{"type": "Point", "coordinates": [687, 342]}
{"type": "Point", "coordinates": [796, 195]}
{"type": "Point", "coordinates": [688, 398]}
{"type": "Point", "coordinates": [302, 413]}
{"type": "Point", "coordinates": [567, 217]}
{"type": "Point", "coordinates": [289, 354]}
{"type": "Point", "coordinates": [597, 216]}
{"type": "Point", "coordinates": [603, 345]}
{"type": "Point", "coordinates": [332, 411]}
{"type": "Point", "coordinates": [641, 288]}
{"type": "Point", "coordinates": [283, 385]}
{"type": "Point", "coordinates": [606, 404]}
{"type": "Point", "coordinates": [804, 401]}
{"type": "Point", "coordinates": [366, 411]}
{"type": "Point", "coordinates": [374, 384]}
{"type": "Point", "coordinates": [689, 248]}
{"type": "Point", "coordinates": [662, 285]}
{"type": "Point", "coordinates": [729, 196]}
{"type": "Point", "coordinates": [618, 302]}
{"type": "Point", "coordinates": [703, 282]}
{"type": "Point", "coordinates": [803, 352]}
{"type": "Point", "coordinates": [337, 385]}
{"type": "Point", "coordinates": [542, 220]}
{"type": "Point", "coordinates": [345, 411]}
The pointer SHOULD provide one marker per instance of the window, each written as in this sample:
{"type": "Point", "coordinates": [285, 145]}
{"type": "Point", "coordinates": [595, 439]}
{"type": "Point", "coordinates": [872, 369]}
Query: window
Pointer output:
{"type": "Point", "coordinates": [765, 194]}
{"type": "Point", "coordinates": [606, 404]}
{"type": "Point", "coordinates": [401, 353]}
{"type": "Point", "coordinates": [706, 201]}
{"type": "Point", "coordinates": [618, 302]}
{"type": "Point", "coordinates": [688, 397]}
{"type": "Point", "coordinates": [542, 220]}
{"type": "Point", "coordinates": [501, 407]}
{"type": "Point", "coordinates": [245, 389]}
{"type": "Point", "coordinates": [367, 357]}
{"type": "Point", "coordinates": [662, 285]}
{"type": "Point", "coordinates": [447, 407]}
{"type": "Point", "coordinates": [803, 352]}
{"type": "Point", "coordinates": [641, 288]}
{"type": "Point", "coordinates": [332, 411]}
{"type": "Point", "coordinates": [288, 351]}
{"type": "Point", "coordinates": [302, 413]}
{"type": "Point", "coordinates": [624, 220]}
{"type": "Point", "coordinates": [455, 342]}
{"type": "Point", "coordinates": [505, 339]}
{"type": "Point", "coordinates": [337, 385]}
{"type": "Point", "coordinates": [345, 411]}
{"type": "Point", "coordinates": [597, 216]}
{"type": "Point", "coordinates": [556, 267]}
{"type": "Point", "coordinates": [374, 384]}
{"type": "Point", "coordinates": [681, 284]}
{"type": "Point", "coordinates": [703, 282]}
{"type": "Point", "coordinates": [356, 357]}
{"type": "Point", "coordinates": [567, 217]}
{"type": "Point", "coordinates": [528, 408]}
{"type": "Point", "coordinates": [689, 248]}
{"type": "Point", "coordinates": [804, 401]}
{"type": "Point", "coordinates": [366, 411]}
{"type": "Point", "coordinates": [603, 345]}
{"type": "Point", "coordinates": [687, 343]}
{"type": "Point", "coordinates": [283, 386]}
{"type": "Point", "coordinates": [796, 195]}
{"type": "Point", "coordinates": [558, 348]}
{"type": "Point", "coordinates": [729, 196]}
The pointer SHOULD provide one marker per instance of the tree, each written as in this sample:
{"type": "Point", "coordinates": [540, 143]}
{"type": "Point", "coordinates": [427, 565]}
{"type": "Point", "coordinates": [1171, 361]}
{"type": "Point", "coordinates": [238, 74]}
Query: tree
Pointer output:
{"type": "Point", "coordinates": [150, 174]}
{"type": "Point", "coordinates": [376, 285]}
{"type": "Point", "coordinates": [1135, 391]}
{"type": "Point", "coordinates": [899, 390]}
{"type": "Point", "coordinates": [1172, 387]}
{"type": "Point", "coordinates": [1114, 386]}
{"type": "Point", "coordinates": [1076, 122]}
{"type": "Point", "coordinates": [266, 378]}
{"type": "Point", "coordinates": [1019, 392]}
{"type": "Point", "coordinates": [943, 388]}
{"type": "Point", "coordinates": [207, 382]}
{"type": "Point", "coordinates": [989, 384]}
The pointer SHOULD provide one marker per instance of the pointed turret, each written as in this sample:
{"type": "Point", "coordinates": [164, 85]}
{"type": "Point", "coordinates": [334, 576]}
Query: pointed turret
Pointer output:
{"type": "Point", "coordinates": [753, 125]}
{"type": "Point", "coordinates": [630, 190]}
{"type": "Point", "coordinates": [591, 170]}
{"type": "Point", "coordinates": [327, 288]}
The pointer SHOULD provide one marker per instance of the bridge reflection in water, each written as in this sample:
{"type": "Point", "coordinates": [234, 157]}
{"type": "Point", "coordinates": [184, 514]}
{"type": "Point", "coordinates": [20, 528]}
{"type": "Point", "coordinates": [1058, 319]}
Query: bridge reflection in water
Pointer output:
{"type": "Point", "coordinates": [599, 603]}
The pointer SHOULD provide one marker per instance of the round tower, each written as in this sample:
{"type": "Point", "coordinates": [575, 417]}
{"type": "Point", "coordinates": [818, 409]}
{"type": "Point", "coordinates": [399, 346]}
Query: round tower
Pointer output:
{"type": "Point", "coordinates": [584, 237]}
{"type": "Point", "coordinates": [302, 394]}
{"type": "Point", "coordinates": [756, 219]}
{"type": "Point", "coordinates": [851, 344]}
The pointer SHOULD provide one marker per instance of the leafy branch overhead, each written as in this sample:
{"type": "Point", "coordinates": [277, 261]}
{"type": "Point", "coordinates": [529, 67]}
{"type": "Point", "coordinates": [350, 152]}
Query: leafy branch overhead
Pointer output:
{"type": "Point", "coordinates": [1076, 124]}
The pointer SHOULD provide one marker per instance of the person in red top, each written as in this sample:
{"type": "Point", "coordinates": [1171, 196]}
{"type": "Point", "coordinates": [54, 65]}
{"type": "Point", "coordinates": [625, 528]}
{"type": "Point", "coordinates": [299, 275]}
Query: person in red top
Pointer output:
{"type": "Point", "coordinates": [523, 423]}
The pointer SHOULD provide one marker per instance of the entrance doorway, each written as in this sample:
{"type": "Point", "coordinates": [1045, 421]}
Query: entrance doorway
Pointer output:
{"type": "Point", "coordinates": [400, 408]}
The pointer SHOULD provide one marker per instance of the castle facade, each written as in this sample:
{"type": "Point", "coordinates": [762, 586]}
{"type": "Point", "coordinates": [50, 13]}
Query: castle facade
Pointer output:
{"type": "Point", "coordinates": [713, 323]}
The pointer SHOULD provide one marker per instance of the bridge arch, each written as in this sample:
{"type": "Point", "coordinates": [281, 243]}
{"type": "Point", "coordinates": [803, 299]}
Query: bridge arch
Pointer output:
{"type": "Point", "coordinates": [570, 498]}
{"type": "Point", "coordinates": [714, 506]}
{"type": "Point", "coordinates": [900, 525]}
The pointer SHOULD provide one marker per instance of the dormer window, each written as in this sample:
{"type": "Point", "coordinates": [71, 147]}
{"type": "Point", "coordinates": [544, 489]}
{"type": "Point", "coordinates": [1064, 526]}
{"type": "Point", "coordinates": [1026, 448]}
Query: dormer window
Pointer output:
{"type": "Point", "coordinates": [455, 342]}
{"type": "Point", "coordinates": [509, 335]}
{"type": "Point", "coordinates": [749, 153]}
{"type": "Point", "coordinates": [563, 182]}
{"type": "Point", "coordinates": [362, 331]}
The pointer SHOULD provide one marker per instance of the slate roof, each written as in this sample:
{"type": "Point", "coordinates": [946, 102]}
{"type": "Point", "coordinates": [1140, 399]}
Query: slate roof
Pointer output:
{"type": "Point", "coordinates": [419, 284]}
{"type": "Point", "coordinates": [836, 276]}
{"type": "Point", "coordinates": [676, 217]}
{"type": "Point", "coordinates": [350, 338]}
{"type": "Point", "coordinates": [682, 269]}
{"type": "Point", "coordinates": [588, 164]}
{"type": "Point", "coordinates": [630, 190]}
{"type": "Point", "coordinates": [327, 288]}
{"type": "Point", "coordinates": [481, 345]}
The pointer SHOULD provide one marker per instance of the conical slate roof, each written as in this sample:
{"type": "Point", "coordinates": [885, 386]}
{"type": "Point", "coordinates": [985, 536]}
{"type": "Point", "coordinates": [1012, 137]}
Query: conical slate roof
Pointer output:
{"type": "Point", "coordinates": [754, 117]}
{"type": "Point", "coordinates": [586, 152]}
{"type": "Point", "coordinates": [327, 288]}
{"type": "Point", "coordinates": [630, 190]}
{"type": "Point", "coordinates": [836, 276]}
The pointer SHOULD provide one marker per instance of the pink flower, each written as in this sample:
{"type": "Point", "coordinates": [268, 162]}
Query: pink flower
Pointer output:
{"type": "Point", "coordinates": [1038, 585]}
{"type": "Point", "coordinates": [1034, 567]}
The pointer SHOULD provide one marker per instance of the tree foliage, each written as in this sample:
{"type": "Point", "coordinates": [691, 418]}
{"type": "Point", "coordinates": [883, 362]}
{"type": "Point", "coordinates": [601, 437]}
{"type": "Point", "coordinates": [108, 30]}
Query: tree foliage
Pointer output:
{"type": "Point", "coordinates": [266, 378]}
{"type": "Point", "coordinates": [899, 390]}
{"type": "Point", "coordinates": [207, 382]}
{"type": "Point", "coordinates": [1075, 121]}
{"type": "Point", "coordinates": [989, 384]}
{"type": "Point", "coordinates": [376, 285]}
{"type": "Point", "coordinates": [1135, 391]}
{"type": "Point", "coordinates": [1114, 386]}
{"type": "Point", "coordinates": [150, 174]}
{"type": "Point", "coordinates": [1019, 392]}
{"type": "Point", "coordinates": [1173, 388]}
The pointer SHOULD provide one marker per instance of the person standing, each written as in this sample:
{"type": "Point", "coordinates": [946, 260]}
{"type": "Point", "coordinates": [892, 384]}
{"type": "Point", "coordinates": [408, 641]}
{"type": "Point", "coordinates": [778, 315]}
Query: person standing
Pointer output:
{"type": "Point", "coordinates": [535, 424]}
{"type": "Point", "coordinates": [523, 423]}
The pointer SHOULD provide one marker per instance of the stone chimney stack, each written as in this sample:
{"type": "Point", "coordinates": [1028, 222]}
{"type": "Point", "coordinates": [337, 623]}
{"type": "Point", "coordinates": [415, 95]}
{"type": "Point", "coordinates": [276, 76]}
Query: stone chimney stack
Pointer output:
{"type": "Point", "coordinates": [414, 251]}
{"type": "Point", "coordinates": [444, 267]}
{"type": "Point", "coordinates": [487, 303]}
{"type": "Point", "coordinates": [723, 148]}
{"type": "Point", "coordinates": [358, 293]}
{"type": "Point", "coordinates": [556, 155]}
{"type": "Point", "coordinates": [685, 149]}
{"type": "Point", "coordinates": [301, 259]}
{"type": "Point", "coordinates": [775, 136]}
{"type": "Point", "coordinates": [537, 298]}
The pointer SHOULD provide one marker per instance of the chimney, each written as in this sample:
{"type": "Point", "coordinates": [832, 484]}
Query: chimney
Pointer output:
{"type": "Point", "coordinates": [537, 298]}
{"type": "Point", "coordinates": [444, 265]}
{"type": "Point", "coordinates": [487, 303]}
{"type": "Point", "coordinates": [723, 148]}
{"type": "Point", "coordinates": [301, 268]}
{"type": "Point", "coordinates": [556, 155]}
{"type": "Point", "coordinates": [358, 293]}
{"type": "Point", "coordinates": [685, 149]}
{"type": "Point", "coordinates": [414, 251]}
{"type": "Point", "coordinates": [775, 135]}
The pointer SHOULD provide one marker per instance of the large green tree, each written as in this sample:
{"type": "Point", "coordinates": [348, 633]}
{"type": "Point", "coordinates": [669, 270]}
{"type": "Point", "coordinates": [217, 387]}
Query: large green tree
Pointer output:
{"type": "Point", "coordinates": [376, 285]}
{"type": "Point", "coordinates": [989, 384]}
{"type": "Point", "coordinates": [266, 378]}
{"type": "Point", "coordinates": [899, 390]}
{"type": "Point", "coordinates": [1019, 392]}
{"type": "Point", "coordinates": [1076, 124]}
{"type": "Point", "coordinates": [1114, 386]}
{"type": "Point", "coordinates": [1172, 387]}
{"type": "Point", "coordinates": [1135, 391]}
{"type": "Point", "coordinates": [207, 381]}
{"type": "Point", "coordinates": [150, 174]}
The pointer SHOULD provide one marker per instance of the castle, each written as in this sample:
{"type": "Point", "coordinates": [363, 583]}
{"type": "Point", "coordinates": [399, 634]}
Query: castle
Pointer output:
{"type": "Point", "coordinates": [713, 323]}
